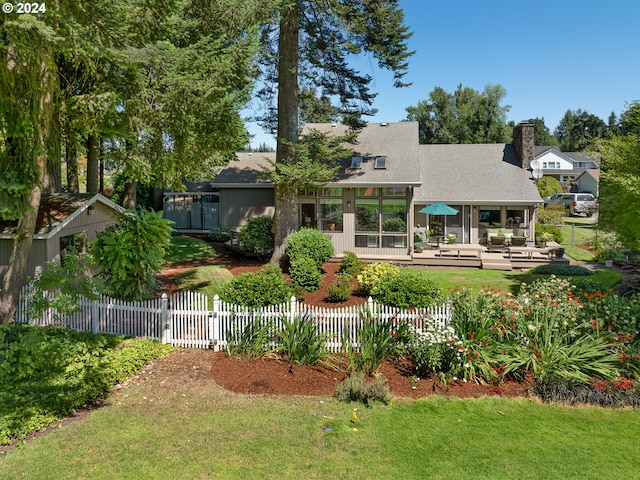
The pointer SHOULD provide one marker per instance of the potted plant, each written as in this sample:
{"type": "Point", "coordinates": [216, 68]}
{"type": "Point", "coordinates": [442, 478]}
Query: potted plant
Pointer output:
{"type": "Point", "coordinates": [418, 247]}
{"type": "Point", "coordinates": [543, 238]}
{"type": "Point", "coordinates": [332, 218]}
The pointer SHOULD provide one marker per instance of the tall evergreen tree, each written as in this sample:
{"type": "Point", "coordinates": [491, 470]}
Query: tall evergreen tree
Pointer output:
{"type": "Point", "coordinates": [310, 43]}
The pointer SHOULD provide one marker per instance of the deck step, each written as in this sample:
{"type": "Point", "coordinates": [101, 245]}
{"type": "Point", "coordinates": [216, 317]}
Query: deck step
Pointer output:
{"type": "Point", "coordinates": [487, 265]}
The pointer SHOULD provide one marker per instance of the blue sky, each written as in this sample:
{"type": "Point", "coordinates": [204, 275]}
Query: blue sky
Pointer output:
{"type": "Point", "coordinates": [550, 56]}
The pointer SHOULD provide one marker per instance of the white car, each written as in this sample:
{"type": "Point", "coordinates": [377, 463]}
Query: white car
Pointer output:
{"type": "Point", "coordinates": [573, 203]}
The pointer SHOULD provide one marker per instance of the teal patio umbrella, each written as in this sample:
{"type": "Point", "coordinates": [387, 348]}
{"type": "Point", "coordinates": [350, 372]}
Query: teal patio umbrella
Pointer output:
{"type": "Point", "coordinates": [439, 208]}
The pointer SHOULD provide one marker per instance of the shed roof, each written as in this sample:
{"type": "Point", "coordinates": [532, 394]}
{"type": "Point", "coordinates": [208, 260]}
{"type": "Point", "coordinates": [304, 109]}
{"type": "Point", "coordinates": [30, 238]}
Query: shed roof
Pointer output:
{"type": "Point", "coordinates": [56, 210]}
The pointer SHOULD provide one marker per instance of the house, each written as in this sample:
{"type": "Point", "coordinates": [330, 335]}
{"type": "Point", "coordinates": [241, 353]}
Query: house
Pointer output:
{"type": "Point", "coordinates": [565, 166]}
{"type": "Point", "coordinates": [64, 220]}
{"type": "Point", "coordinates": [371, 207]}
{"type": "Point", "coordinates": [588, 182]}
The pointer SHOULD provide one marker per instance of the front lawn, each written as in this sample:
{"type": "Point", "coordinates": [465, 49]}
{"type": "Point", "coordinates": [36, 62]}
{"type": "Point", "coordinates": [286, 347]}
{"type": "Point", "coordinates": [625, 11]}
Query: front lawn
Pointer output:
{"type": "Point", "coordinates": [194, 429]}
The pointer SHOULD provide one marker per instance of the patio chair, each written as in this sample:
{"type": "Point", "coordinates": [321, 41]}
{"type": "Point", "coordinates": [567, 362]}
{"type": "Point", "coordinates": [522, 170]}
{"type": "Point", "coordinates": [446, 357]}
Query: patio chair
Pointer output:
{"type": "Point", "coordinates": [451, 238]}
{"type": "Point", "coordinates": [497, 244]}
{"type": "Point", "coordinates": [518, 241]}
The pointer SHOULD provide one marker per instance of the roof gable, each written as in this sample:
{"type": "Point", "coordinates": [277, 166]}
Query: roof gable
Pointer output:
{"type": "Point", "coordinates": [58, 210]}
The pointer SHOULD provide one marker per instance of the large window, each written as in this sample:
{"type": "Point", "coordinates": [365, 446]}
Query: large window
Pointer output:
{"type": "Point", "coordinates": [381, 217]}
{"type": "Point", "coordinates": [328, 204]}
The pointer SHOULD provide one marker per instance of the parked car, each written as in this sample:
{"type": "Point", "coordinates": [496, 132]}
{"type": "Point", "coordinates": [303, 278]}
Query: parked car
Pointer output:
{"type": "Point", "coordinates": [573, 203]}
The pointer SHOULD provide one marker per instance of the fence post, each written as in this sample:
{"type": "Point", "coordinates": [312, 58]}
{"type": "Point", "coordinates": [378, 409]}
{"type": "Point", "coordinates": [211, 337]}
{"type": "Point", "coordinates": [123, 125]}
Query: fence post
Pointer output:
{"type": "Point", "coordinates": [165, 326]}
{"type": "Point", "coordinates": [293, 308]}
{"type": "Point", "coordinates": [448, 313]}
{"type": "Point", "coordinates": [370, 306]}
{"type": "Point", "coordinates": [215, 321]}
{"type": "Point", "coordinates": [94, 316]}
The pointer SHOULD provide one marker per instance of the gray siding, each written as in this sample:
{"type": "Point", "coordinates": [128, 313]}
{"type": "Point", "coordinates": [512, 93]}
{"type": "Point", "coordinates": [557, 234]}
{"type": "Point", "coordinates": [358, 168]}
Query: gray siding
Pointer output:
{"type": "Point", "coordinates": [44, 250]}
{"type": "Point", "coordinates": [237, 205]}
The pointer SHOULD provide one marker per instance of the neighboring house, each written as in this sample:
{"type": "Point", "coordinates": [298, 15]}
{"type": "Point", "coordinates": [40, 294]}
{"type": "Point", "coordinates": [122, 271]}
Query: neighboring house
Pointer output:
{"type": "Point", "coordinates": [565, 166]}
{"type": "Point", "coordinates": [371, 206]}
{"type": "Point", "coordinates": [588, 182]}
{"type": "Point", "coordinates": [64, 220]}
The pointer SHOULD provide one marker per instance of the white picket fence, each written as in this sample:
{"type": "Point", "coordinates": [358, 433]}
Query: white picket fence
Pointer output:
{"type": "Point", "coordinates": [185, 319]}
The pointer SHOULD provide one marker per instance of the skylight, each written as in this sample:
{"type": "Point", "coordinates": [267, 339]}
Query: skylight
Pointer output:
{"type": "Point", "coordinates": [381, 162]}
{"type": "Point", "coordinates": [356, 162]}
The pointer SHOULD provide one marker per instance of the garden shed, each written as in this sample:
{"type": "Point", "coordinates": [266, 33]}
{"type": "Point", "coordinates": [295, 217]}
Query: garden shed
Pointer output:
{"type": "Point", "coordinates": [64, 220]}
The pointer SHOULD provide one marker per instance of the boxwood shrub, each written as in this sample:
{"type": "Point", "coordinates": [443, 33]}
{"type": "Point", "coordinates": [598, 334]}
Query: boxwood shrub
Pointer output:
{"type": "Point", "coordinates": [305, 273]}
{"type": "Point", "coordinates": [257, 236]}
{"type": "Point", "coordinates": [350, 265]}
{"type": "Point", "coordinates": [254, 290]}
{"type": "Point", "coordinates": [410, 290]}
{"type": "Point", "coordinates": [567, 270]}
{"type": "Point", "coordinates": [311, 243]}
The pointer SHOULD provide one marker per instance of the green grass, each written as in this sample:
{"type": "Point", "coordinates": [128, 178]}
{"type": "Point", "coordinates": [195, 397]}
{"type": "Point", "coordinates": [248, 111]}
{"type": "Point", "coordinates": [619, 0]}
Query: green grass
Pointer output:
{"type": "Point", "coordinates": [206, 280]}
{"type": "Point", "coordinates": [184, 248]}
{"type": "Point", "coordinates": [448, 278]}
{"type": "Point", "coordinates": [197, 430]}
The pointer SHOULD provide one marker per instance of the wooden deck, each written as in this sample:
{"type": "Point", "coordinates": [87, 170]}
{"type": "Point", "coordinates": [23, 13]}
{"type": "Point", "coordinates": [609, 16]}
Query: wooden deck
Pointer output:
{"type": "Point", "coordinates": [474, 255]}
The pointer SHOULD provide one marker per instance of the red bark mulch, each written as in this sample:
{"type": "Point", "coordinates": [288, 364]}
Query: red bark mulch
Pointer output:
{"type": "Point", "coordinates": [273, 376]}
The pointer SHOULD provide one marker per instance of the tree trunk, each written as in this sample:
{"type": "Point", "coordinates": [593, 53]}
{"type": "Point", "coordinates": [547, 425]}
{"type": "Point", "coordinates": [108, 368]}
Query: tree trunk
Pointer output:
{"type": "Point", "coordinates": [129, 198]}
{"type": "Point", "coordinates": [16, 274]}
{"type": "Point", "coordinates": [72, 169]}
{"type": "Point", "coordinates": [53, 177]}
{"type": "Point", "coordinates": [92, 164]}
{"type": "Point", "coordinates": [286, 199]}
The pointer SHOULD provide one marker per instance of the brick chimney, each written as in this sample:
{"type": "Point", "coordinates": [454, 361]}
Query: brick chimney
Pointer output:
{"type": "Point", "coordinates": [524, 144]}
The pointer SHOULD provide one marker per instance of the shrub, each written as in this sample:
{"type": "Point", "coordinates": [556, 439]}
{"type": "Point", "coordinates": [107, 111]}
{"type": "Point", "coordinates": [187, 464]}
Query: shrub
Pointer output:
{"type": "Point", "coordinates": [371, 275]}
{"type": "Point", "coordinates": [257, 236]}
{"type": "Point", "coordinates": [309, 242]}
{"type": "Point", "coordinates": [614, 254]}
{"type": "Point", "coordinates": [567, 270]}
{"type": "Point", "coordinates": [407, 291]}
{"type": "Point", "coordinates": [551, 230]}
{"type": "Point", "coordinates": [132, 252]}
{"type": "Point", "coordinates": [255, 290]}
{"type": "Point", "coordinates": [355, 388]}
{"type": "Point", "coordinates": [551, 215]}
{"type": "Point", "coordinates": [394, 224]}
{"type": "Point", "coordinates": [587, 285]}
{"type": "Point", "coordinates": [350, 265]}
{"type": "Point", "coordinates": [223, 233]}
{"type": "Point", "coordinates": [301, 342]}
{"type": "Point", "coordinates": [305, 273]}
{"type": "Point", "coordinates": [340, 290]}
{"type": "Point", "coordinates": [620, 392]}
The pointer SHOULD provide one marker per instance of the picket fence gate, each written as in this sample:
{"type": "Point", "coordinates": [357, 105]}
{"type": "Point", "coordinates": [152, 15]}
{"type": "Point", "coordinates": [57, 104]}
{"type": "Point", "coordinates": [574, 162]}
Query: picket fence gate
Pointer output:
{"type": "Point", "coordinates": [185, 319]}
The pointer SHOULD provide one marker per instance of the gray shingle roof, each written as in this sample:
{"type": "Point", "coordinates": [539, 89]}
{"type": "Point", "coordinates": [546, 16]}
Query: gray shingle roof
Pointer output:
{"type": "Point", "coordinates": [397, 141]}
{"type": "Point", "coordinates": [244, 171]}
{"type": "Point", "coordinates": [486, 173]}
